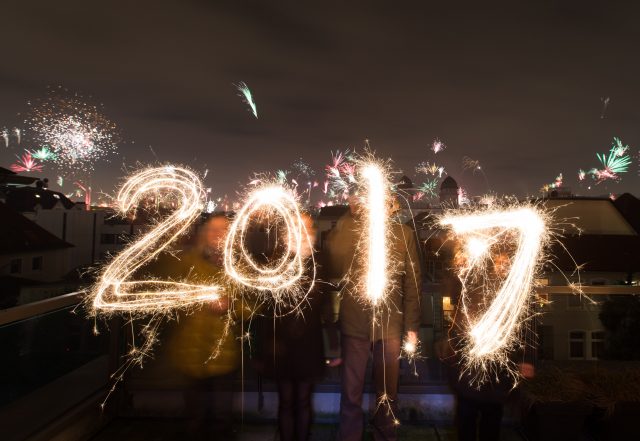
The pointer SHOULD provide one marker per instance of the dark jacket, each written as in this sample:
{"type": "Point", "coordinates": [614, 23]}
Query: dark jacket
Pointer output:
{"type": "Point", "coordinates": [400, 312]}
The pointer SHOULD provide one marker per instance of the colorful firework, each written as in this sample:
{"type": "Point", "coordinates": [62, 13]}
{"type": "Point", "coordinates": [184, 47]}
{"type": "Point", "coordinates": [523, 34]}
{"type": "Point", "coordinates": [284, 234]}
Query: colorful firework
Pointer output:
{"type": "Point", "coordinates": [429, 188]}
{"type": "Point", "coordinates": [26, 163]}
{"type": "Point", "coordinates": [76, 132]}
{"type": "Point", "coordinates": [437, 146]}
{"type": "Point", "coordinates": [245, 93]}
{"type": "Point", "coordinates": [612, 166]}
{"type": "Point", "coordinates": [43, 154]}
{"type": "Point", "coordinates": [430, 169]}
{"type": "Point", "coordinates": [618, 148]}
{"type": "Point", "coordinates": [581, 175]}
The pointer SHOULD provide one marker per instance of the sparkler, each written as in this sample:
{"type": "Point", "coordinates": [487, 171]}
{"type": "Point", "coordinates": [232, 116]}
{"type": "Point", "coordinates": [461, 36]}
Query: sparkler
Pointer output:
{"type": "Point", "coordinates": [114, 290]}
{"type": "Point", "coordinates": [248, 97]}
{"type": "Point", "coordinates": [26, 163]}
{"type": "Point", "coordinates": [491, 333]}
{"type": "Point", "coordinates": [283, 279]}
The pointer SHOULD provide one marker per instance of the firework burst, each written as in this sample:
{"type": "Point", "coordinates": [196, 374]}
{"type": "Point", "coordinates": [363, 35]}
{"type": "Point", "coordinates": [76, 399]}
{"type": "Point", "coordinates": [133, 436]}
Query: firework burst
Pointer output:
{"type": "Point", "coordinates": [437, 146]}
{"type": "Point", "coordinates": [43, 154]}
{"type": "Point", "coordinates": [26, 163]}
{"type": "Point", "coordinates": [76, 132]}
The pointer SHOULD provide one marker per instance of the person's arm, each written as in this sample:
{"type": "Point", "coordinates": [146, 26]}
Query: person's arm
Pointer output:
{"type": "Point", "coordinates": [412, 286]}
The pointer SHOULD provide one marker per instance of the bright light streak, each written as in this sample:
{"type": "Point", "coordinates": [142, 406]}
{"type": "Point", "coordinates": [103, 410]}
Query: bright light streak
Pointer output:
{"type": "Point", "coordinates": [115, 291]}
{"type": "Point", "coordinates": [377, 199]}
{"type": "Point", "coordinates": [282, 279]}
{"type": "Point", "coordinates": [492, 332]}
{"type": "Point", "coordinates": [248, 97]}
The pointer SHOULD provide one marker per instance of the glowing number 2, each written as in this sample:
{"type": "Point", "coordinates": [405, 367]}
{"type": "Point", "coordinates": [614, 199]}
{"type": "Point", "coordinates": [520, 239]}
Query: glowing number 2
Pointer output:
{"type": "Point", "coordinates": [115, 291]}
{"type": "Point", "coordinates": [491, 333]}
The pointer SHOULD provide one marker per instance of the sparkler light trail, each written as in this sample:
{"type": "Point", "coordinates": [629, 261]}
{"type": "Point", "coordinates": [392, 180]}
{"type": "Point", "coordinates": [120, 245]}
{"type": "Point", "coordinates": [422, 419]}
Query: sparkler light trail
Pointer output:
{"type": "Point", "coordinates": [115, 291]}
{"type": "Point", "coordinates": [77, 132]}
{"type": "Point", "coordinates": [283, 279]}
{"type": "Point", "coordinates": [245, 93]}
{"type": "Point", "coordinates": [376, 203]}
{"type": "Point", "coordinates": [492, 331]}
{"type": "Point", "coordinates": [26, 163]}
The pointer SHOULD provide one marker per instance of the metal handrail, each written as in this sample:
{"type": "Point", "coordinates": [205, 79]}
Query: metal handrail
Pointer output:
{"type": "Point", "coordinates": [29, 310]}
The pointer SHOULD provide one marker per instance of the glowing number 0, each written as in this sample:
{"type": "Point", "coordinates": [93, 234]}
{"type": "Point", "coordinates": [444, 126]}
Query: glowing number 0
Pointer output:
{"type": "Point", "coordinates": [114, 290]}
{"type": "Point", "coordinates": [285, 274]}
{"type": "Point", "coordinates": [491, 333]}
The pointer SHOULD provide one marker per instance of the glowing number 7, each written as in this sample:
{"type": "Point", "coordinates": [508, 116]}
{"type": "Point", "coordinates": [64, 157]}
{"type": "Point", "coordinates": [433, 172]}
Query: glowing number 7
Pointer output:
{"type": "Point", "coordinates": [490, 335]}
{"type": "Point", "coordinates": [115, 291]}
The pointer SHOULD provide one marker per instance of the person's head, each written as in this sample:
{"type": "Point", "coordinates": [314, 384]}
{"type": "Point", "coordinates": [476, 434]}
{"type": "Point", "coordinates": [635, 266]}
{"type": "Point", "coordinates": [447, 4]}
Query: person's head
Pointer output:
{"type": "Point", "coordinates": [213, 233]}
{"type": "Point", "coordinates": [310, 228]}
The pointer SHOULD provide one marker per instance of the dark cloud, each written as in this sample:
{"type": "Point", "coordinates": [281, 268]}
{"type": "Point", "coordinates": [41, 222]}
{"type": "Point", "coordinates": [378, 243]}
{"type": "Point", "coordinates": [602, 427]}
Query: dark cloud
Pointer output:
{"type": "Point", "coordinates": [514, 85]}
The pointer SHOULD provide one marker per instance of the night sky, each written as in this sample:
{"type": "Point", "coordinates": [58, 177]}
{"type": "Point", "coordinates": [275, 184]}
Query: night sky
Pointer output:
{"type": "Point", "coordinates": [516, 87]}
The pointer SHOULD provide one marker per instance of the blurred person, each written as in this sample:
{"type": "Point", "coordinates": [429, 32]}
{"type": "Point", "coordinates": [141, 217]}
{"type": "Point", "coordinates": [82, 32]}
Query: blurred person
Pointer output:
{"type": "Point", "coordinates": [198, 333]}
{"type": "Point", "coordinates": [292, 350]}
{"type": "Point", "coordinates": [479, 407]}
{"type": "Point", "coordinates": [362, 334]}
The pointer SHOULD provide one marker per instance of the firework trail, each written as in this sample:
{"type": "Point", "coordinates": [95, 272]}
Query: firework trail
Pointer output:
{"type": "Point", "coordinates": [471, 164]}
{"type": "Point", "coordinates": [5, 136]}
{"type": "Point", "coordinates": [17, 133]}
{"type": "Point", "coordinates": [581, 175]}
{"type": "Point", "coordinates": [605, 104]}
{"type": "Point", "coordinates": [26, 163]}
{"type": "Point", "coordinates": [60, 181]}
{"type": "Point", "coordinates": [86, 190]}
{"type": "Point", "coordinates": [75, 131]}
{"type": "Point", "coordinates": [245, 93]}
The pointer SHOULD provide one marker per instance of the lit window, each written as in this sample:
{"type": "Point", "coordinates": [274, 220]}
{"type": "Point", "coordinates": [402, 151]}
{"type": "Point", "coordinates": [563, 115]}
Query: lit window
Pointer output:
{"type": "Point", "coordinates": [576, 344]}
{"type": "Point", "coordinates": [597, 344]}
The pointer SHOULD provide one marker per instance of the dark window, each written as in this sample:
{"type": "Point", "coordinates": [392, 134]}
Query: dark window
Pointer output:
{"type": "Point", "coordinates": [16, 266]}
{"type": "Point", "coordinates": [576, 344]}
{"type": "Point", "coordinates": [36, 263]}
{"type": "Point", "coordinates": [597, 344]}
{"type": "Point", "coordinates": [108, 239]}
{"type": "Point", "coordinates": [545, 342]}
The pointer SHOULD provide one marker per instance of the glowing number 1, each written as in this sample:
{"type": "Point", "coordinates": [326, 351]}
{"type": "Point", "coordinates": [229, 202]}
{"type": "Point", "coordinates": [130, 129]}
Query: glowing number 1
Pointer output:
{"type": "Point", "coordinates": [491, 333]}
{"type": "Point", "coordinates": [115, 291]}
{"type": "Point", "coordinates": [376, 243]}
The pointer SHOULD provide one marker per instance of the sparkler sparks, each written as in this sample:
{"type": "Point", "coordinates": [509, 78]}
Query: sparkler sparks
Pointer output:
{"type": "Point", "coordinates": [282, 280]}
{"type": "Point", "coordinates": [114, 290]}
{"type": "Point", "coordinates": [26, 163]}
{"type": "Point", "coordinates": [247, 96]}
{"type": "Point", "coordinates": [377, 199]}
{"type": "Point", "coordinates": [491, 332]}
